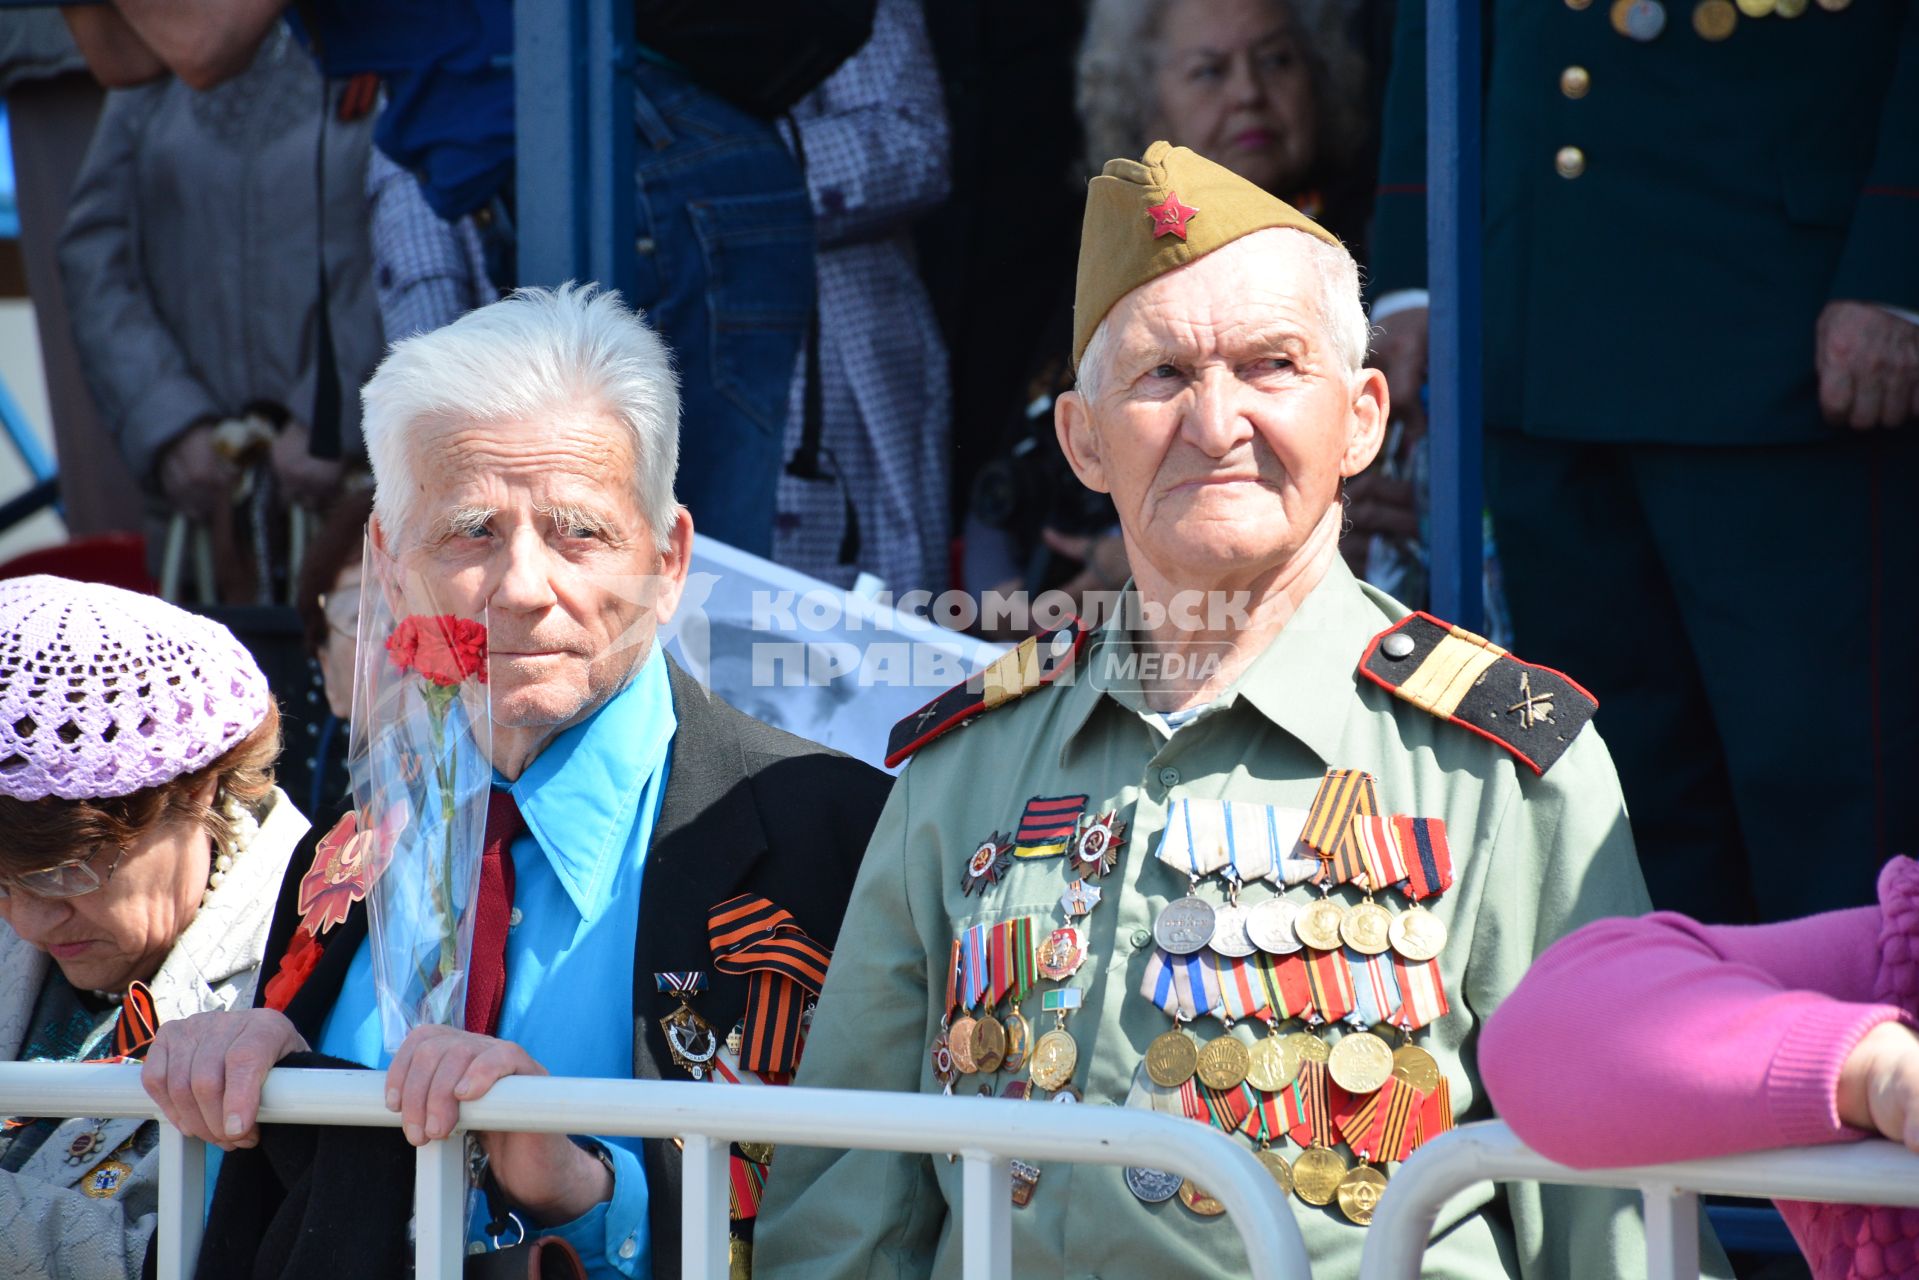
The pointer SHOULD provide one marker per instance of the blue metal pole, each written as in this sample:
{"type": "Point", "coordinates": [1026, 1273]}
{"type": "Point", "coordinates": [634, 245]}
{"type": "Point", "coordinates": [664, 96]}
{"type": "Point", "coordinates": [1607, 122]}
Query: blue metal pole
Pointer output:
{"type": "Point", "coordinates": [1454, 242]}
{"type": "Point", "coordinates": [573, 126]}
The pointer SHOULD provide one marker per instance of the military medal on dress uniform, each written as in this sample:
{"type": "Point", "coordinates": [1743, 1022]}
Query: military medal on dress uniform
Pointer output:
{"type": "Point", "coordinates": [1056, 1056]}
{"type": "Point", "coordinates": [1318, 924]}
{"type": "Point", "coordinates": [1096, 843]}
{"type": "Point", "coordinates": [1152, 1186]}
{"type": "Point", "coordinates": [987, 865]}
{"type": "Point", "coordinates": [1079, 899]}
{"type": "Point", "coordinates": [1015, 952]}
{"type": "Point", "coordinates": [1417, 934]}
{"type": "Point", "coordinates": [1061, 954]}
{"type": "Point", "coordinates": [689, 1037]}
{"type": "Point", "coordinates": [106, 1180]}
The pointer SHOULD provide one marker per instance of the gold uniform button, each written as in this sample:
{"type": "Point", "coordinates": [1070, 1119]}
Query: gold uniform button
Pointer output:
{"type": "Point", "coordinates": [1575, 82]}
{"type": "Point", "coordinates": [1570, 162]}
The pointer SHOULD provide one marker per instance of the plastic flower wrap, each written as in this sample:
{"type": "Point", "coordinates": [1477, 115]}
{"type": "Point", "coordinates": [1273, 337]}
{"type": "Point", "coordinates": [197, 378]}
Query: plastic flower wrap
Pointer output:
{"type": "Point", "coordinates": [420, 759]}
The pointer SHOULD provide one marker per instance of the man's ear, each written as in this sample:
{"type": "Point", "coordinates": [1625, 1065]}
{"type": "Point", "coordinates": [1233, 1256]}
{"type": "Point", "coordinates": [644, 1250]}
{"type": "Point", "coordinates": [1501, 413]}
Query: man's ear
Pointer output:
{"type": "Point", "coordinates": [674, 562]}
{"type": "Point", "coordinates": [1073, 423]}
{"type": "Point", "coordinates": [376, 533]}
{"type": "Point", "coordinates": [1367, 425]}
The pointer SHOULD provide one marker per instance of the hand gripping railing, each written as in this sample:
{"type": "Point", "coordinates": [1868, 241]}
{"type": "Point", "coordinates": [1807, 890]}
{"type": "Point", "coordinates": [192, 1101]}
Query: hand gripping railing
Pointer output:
{"type": "Point", "coordinates": [1845, 1173]}
{"type": "Point", "coordinates": [985, 1133]}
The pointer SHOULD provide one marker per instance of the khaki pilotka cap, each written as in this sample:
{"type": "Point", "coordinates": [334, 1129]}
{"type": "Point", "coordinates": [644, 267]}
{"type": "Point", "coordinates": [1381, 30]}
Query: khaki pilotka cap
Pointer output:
{"type": "Point", "coordinates": [1143, 218]}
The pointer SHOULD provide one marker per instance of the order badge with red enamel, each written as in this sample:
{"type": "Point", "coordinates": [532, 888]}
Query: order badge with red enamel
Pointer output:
{"type": "Point", "coordinates": [1061, 955]}
{"type": "Point", "coordinates": [987, 864]}
{"type": "Point", "coordinates": [1170, 216]}
{"type": "Point", "coordinates": [1098, 842]}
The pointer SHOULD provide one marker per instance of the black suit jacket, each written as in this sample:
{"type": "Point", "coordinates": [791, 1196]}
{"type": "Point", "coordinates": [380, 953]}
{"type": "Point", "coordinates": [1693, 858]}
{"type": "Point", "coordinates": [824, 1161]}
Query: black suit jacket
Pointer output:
{"type": "Point", "coordinates": [748, 809]}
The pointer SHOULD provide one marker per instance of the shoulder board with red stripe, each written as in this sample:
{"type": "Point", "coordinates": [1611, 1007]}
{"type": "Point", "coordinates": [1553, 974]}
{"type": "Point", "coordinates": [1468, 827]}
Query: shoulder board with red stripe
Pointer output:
{"type": "Point", "coordinates": [1532, 711]}
{"type": "Point", "coordinates": [1036, 661]}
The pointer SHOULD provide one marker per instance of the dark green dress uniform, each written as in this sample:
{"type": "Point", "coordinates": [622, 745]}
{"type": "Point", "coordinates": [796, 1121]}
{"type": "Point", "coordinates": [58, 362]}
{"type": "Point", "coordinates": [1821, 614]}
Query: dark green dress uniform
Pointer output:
{"type": "Point", "coordinates": [1666, 212]}
{"type": "Point", "coordinates": [1535, 855]}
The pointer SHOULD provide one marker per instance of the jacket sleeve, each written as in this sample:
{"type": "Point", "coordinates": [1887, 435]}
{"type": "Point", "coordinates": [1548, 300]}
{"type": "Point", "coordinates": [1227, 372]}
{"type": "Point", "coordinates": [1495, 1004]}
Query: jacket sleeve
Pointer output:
{"type": "Point", "coordinates": [140, 379]}
{"type": "Point", "coordinates": [1564, 857]}
{"type": "Point", "coordinates": [1730, 1039]}
{"type": "Point", "coordinates": [862, 1213]}
{"type": "Point", "coordinates": [875, 135]}
{"type": "Point", "coordinates": [60, 1233]}
{"type": "Point", "coordinates": [1878, 264]}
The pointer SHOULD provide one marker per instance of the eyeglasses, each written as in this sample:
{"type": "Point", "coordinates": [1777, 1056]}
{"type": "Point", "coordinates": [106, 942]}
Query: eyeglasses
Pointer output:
{"type": "Point", "coordinates": [342, 610]}
{"type": "Point", "coordinates": [73, 878]}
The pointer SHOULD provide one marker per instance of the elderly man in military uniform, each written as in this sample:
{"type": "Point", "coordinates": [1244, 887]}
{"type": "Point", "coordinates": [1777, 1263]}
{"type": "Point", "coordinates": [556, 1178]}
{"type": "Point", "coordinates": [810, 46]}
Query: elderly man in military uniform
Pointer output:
{"type": "Point", "coordinates": [1263, 850]}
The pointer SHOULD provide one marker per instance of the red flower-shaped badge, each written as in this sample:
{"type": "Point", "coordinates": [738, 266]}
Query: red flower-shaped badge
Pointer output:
{"type": "Point", "coordinates": [350, 858]}
{"type": "Point", "coordinates": [444, 648]}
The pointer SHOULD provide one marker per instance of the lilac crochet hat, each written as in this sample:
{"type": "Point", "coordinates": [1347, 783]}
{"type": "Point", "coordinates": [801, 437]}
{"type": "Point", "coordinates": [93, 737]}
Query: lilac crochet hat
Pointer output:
{"type": "Point", "coordinates": [104, 692]}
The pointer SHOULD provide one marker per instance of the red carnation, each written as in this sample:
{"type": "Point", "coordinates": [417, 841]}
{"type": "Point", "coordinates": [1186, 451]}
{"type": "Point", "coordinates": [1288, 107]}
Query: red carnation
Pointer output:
{"type": "Point", "coordinates": [296, 966]}
{"type": "Point", "coordinates": [444, 649]}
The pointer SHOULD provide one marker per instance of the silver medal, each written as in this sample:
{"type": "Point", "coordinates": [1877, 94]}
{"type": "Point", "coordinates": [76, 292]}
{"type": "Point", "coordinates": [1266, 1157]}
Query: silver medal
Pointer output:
{"type": "Point", "coordinates": [1185, 926]}
{"type": "Point", "coordinates": [1154, 1186]}
{"type": "Point", "coordinates": [1229, 932]}
{"type": "Point", "coordinates": [1270, 925]}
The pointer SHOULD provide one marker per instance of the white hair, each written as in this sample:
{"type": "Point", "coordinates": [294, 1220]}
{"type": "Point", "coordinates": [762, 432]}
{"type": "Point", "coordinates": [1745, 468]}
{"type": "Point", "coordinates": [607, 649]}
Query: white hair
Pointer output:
{"type": "Point", "coordinates": [1342, 314]}
{"type": "Point", "coordinates": [535, 353]}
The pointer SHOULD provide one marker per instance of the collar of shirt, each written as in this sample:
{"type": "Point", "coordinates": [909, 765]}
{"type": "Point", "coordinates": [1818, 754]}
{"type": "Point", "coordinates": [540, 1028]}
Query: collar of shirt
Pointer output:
{"type": "Point", "coordinates": [1302, 682]}
{"type": "Point", "coordinates": [580, 795]}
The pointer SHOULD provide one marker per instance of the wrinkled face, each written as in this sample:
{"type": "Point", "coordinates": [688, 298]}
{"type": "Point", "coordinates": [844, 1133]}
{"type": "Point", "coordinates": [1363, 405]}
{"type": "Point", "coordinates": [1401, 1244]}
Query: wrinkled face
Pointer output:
{"type": "Point", "coordinates": [535, 526]}
{"type": "Point", "coordinates": [1232, 82]}
{"type": "Point", "coordinates": [121, 931]}
{"type": "Point", "coordinates": [1223, 421]}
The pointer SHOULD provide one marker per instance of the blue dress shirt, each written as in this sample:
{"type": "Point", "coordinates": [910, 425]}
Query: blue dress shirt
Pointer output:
{"type": "Point", "coordinates": [590, 800]}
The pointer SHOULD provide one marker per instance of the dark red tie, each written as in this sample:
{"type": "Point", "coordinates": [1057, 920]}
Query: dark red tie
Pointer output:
{"type": "Point", "coordinates": [486, 981]}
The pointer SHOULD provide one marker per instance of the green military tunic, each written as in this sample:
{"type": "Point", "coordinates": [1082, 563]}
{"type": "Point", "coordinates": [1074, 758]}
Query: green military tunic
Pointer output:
{"type": "Point", "coordinates": [1534, 856]}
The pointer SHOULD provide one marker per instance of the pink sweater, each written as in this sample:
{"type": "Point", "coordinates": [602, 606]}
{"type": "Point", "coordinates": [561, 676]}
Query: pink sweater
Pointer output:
{"type": "Point", "coordinates": [1655, 1039]}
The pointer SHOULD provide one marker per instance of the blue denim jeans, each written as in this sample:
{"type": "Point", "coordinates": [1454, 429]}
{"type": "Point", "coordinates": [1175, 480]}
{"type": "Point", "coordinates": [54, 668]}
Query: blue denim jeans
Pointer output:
{"type": "Point", "coordinates": [725, 272]}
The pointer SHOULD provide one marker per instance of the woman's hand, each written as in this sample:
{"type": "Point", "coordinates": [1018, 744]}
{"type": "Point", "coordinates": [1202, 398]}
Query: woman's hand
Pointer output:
{"type": "Point", "coordinates": [205, 1072]}
{"type": "Point", "coordinates": [547, 1174]}
{"type": "Point", "coordinates": [1879, 1084]}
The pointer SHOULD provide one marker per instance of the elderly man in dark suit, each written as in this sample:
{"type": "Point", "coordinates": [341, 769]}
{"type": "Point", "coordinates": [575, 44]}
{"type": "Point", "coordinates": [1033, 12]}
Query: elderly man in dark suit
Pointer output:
{"type": "Point", "coordinates": [524, 460]}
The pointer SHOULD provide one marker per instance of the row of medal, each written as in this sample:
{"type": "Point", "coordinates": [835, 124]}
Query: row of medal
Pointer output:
{"type": "Point", "coordinates": [1317, 965]}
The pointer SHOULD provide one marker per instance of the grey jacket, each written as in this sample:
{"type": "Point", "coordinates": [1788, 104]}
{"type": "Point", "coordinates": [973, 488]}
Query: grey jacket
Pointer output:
{"type": "Point", "coordinates": [50, 1229]}
{"type": "Point", "coordinates": [191, 252]}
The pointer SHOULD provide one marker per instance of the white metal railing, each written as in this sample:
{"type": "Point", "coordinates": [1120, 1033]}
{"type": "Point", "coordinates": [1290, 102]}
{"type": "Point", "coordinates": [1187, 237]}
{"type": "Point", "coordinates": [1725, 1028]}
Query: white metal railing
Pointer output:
{"type": "Point", "coordinates": [985, 1133]}
{"type": "Point", "coordinates": [1845, 1173]}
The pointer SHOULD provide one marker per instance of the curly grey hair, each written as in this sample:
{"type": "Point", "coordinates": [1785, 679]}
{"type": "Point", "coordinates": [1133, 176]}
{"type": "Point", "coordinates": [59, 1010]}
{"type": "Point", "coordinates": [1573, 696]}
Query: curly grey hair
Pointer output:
{"type": "Point", "coordinates": [1115, 89]}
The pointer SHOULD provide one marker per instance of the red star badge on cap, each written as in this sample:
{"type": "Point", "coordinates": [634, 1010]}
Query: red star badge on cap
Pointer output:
{"type": "Point", "coordinates": [1170, 218]}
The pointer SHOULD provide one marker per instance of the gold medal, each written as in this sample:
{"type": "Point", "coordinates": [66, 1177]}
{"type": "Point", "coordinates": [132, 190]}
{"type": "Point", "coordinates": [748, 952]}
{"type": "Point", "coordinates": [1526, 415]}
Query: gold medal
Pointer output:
{"type": "Point", "coordinates": [959, 1043]}
{"type": "Point", "coordinates": [1054, 1059]}
{"type": "Point", "coordinates": [1417, 934]}
{"type": "Point", "coordinates": [1416, 1067]}
{"type": "Point", "coordinates": [1198, 1201]}
{"type": "Point", "coordinates": [1359, 1193]}
{"type": "Point", "coordinates": [1276, 1165]}
{"type": "Point", "coordinates": [757, 1152]}
{"type": "Point", "coordinates": [1302, 1047]}
{"type": "Point", "coordinates": [1171, 1059]}
{"type": "Point", "coordinates": [1019, 1038]}
{"type": "Point", "coordinates": [989, 1044]}
{"type": "Point", "coordinates": [1223, 1062]}
{"type": "Point", "coordinates": [1360, 1063]}
{"type": "Point", "coordinates": [1714, 19]}
{"type": "Point", "coordinates": [1318, 925]}
{"type": "Point", "coordinates": [1317, 1174]}
{"type": "Point", "coordinates": [1367, 928]}
{"type": "Point", "coordinates": [1267, 1066]}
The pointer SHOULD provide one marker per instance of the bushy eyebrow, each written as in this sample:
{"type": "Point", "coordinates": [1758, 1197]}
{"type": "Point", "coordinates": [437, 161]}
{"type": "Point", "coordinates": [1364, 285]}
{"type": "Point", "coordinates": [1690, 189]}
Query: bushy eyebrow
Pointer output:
{"type": "Point", "coordinates": [1239, 344]}
{"type": "Point", "coordinates": [573, 516]}
{"type": "Point", "coordinates": [467, 517]}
